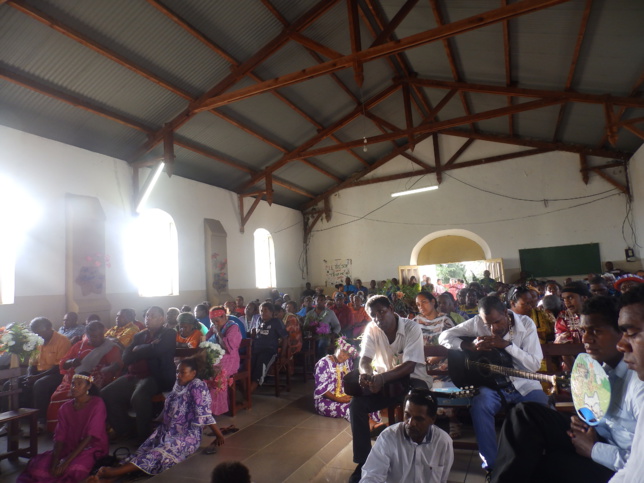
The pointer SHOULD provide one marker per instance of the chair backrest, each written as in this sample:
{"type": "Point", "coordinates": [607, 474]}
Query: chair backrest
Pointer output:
{"type": "Point", "coordinates": [244, 355]}
{"type": "Point", "coordinates": [553, 352]}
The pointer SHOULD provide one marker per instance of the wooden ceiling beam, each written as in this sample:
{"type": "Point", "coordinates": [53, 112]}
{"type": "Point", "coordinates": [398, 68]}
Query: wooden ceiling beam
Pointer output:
{"type": "Point", "coordinates": [311, 44]}
{"type": "Point", "coordinates": [570, 148]}
{"type": "Point", "coordinates": [409, 120]}
{"type": "Point", "coordinates": [296, 153]}
{"type": "Point", "coordinates": [437, 159]}
{"type": "Point", "coordinates": [638, 132]}
{"type": "Point", "coordinates": [598, 170]}
{"type": "Point", "coordinates": [240, 71]}
{"type": "Point", "coordinates": [451, 58]}
{"type": "Point", "coordinates": [84, 40]}
{"type": "Point", "coordinates": [59, 95]}
{"type": "Point", "coordinates": [507, 57]}
{"type": "Point", "coordinates": [221, 52]}
{"type": "Point", "coordinates": [356, 43]}
{"type": "Point", "coordinates": [634, 93]}
{"type": "Point", "coordinates": [415, 160]}
{"type": "Point", "coordinates": [573, 64]}
{"type": "Point", "coordinates": [320, 170]}
{"type": "Point", "coordinates": [455, 28]}
{"type": "Point", "coordinates": [398, 62]}
{"type": "Point", "coordinates": [432, 127]}
{"type": "Point", "coordinates": [389, 29]}
{"type": "Point", "coordinates": [466, 164]}
{"type": "Point", "coordinates": [570, 96]}
{"type": "Point", "coordinates": [459, 152]}
{"type": "Point", "coordinates": [382, 122]}
{"type": "Point", "coordinates": [233, 164]}
{"type": "Point", "coordinates": [350, 181]}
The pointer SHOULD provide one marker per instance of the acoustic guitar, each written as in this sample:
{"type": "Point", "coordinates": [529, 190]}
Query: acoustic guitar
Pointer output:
{"type": "Point", "coordinates": [492, 369]}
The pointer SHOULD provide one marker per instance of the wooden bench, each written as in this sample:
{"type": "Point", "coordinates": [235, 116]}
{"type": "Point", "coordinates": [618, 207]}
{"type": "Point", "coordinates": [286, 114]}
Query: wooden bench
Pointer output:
{"type": "Point", "coordinates": [13, 418]}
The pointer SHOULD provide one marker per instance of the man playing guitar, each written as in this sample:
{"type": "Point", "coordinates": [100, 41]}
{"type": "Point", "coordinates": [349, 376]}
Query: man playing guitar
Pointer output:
{"type": "Point", "coordinates": [496, 327]}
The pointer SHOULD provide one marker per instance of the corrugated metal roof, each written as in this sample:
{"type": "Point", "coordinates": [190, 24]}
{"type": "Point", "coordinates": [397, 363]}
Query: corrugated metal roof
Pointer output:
{"type": "Point", "coordinates": [542, 46]}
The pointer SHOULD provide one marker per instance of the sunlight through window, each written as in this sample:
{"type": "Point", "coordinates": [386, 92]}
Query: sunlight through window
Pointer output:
{"type": "Point", "coordinates": [264, 259]}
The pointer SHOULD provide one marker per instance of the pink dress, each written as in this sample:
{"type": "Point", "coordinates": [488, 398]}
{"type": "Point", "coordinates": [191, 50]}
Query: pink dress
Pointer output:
{"type": "Point", "coordinates": [73, 426]}
{"type": "Point", "coordinates": [229, 365]}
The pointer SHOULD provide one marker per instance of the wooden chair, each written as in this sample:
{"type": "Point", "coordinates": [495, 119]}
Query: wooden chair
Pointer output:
{"type": "Point", "coordinates": [13, 418]}
{"type": "Point", "coordinates": [552, 354]}
{"type": "Point", "coordinates": [283, 363]}
{"type": "Point", "coordinates": [306, 357]}
{"type": "Point", "coordinates": [242, 376]}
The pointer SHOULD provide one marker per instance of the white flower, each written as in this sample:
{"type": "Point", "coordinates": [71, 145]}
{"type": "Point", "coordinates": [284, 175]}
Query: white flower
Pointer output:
{"type": "Point", "coordinates": [11, 342]}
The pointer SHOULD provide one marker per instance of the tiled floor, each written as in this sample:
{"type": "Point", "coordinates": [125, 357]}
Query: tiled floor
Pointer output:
{"type": "Point", "coordinates": [280, 440]}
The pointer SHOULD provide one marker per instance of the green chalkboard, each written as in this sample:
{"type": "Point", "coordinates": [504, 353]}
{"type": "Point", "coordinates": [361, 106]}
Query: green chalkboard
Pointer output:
{"type": "Point", "coordinates": [560, 261]}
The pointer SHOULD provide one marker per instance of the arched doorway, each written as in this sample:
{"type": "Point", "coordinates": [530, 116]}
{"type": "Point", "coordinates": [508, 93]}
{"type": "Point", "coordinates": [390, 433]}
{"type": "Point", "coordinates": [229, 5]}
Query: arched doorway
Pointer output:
{"type": "Point", "coordinates": [448, 246]}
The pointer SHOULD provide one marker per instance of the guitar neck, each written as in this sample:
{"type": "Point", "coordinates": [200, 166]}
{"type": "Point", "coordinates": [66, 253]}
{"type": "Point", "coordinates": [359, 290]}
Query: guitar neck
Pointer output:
{"type": "Point", "coordinates": [508, 371]}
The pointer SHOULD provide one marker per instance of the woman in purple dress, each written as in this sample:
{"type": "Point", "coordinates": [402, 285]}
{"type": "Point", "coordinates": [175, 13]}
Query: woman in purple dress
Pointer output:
{"type": "Point", "coordinates": [329, 397]}
{"type": "Point", "coordinates": [186, 410]}
{"type": "Point", "coordinates": [79, 441]}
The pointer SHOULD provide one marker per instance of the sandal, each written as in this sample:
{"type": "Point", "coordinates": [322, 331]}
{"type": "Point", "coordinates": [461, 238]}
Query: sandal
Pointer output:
{"type": "Point", "coordinates": [455, 430]}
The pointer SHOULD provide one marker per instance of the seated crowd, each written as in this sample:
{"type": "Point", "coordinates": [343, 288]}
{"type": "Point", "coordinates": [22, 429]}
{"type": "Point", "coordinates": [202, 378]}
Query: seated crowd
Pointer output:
{"type": "Point", "coordinates": [85, 372]}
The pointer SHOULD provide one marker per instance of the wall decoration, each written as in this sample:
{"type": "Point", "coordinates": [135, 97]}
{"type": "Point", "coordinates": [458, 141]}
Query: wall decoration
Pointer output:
{"type": "Point", "coordinates": [337, 270]}
{"type": "Point", "coordinates": [216, 250]}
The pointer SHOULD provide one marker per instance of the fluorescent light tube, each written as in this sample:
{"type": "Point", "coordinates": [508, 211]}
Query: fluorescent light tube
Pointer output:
{"type": "Point", "coordinates": [412, 192]}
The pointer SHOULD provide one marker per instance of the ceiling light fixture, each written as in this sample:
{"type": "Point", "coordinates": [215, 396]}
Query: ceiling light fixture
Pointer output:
{"type": "Point", "coordinates": [412, 192]}
{"type": "Point", "coordinates": [149, 186]}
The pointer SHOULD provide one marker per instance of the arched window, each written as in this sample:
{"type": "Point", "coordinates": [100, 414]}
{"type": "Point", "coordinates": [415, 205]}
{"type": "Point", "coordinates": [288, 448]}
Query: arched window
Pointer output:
{"type": "Point", "coordinates": [18, 213]}
{"type": "Point", "coordinates": [154, 254]}
{"type": "Point", "coordinates": [264, 259]}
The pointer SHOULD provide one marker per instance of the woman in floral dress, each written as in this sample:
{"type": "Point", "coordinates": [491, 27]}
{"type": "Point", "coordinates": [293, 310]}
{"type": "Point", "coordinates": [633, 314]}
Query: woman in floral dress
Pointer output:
{"type": "Point", "coordinates": [329, 397]}
{"type": "Point", "coordinates": [186, 411]}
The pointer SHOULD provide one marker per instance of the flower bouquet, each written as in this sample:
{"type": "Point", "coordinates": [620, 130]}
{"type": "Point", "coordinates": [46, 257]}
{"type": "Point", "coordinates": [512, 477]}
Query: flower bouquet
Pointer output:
{"type": "Point", "coordinates": [20, 342]}
{"type": "Point", "coordinates": [319, 328]}
{"type": "Point", "coordinates": [213, 354]}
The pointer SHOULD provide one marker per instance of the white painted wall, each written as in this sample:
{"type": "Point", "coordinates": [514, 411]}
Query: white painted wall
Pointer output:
{"type": "Point", "coordinates": [385, 239]}
{"type": "Point", "coordinates": [636, 176]}
{"type": "Point", "coordinates": [48, 170]}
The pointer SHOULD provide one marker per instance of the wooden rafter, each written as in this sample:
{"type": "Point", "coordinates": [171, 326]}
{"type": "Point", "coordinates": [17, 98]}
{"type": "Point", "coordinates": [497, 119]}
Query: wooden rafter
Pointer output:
{"type": "Point", "coordinates": [635, 91]}
{"type": "Point", "coordinates": [350, 181]}
{"type": "Point", "coordinates": [450, 51]}
{"type": "Point", "coordinates": [507, 57]}
{"type": "Point", "coordinates": [327, 52]}
{"type": "Point", "coordinates": [573, 64]}
{"type": "Point", "coordinates": [599, 170]}
{"type": "Point", "coordinates": [427, 127]}
{"type": "Point", "coordinates": [388, 30]}
{"type": "Point", "coordinates": [569, 96]}
{"type": "Point", "coordinates": [437, 159]}
{"type": "Point", "coordinates": [638, 132]}
{"type": "Point", "coordinates": [583, 167]}
{"type": "Point", "coordinates": [239, 71]}
{"type": "Point", "coordinates": [398, 62]}
{"type": "Point", "coordinates": [225, 55]}
{"type": "Point", "coordinates": [570, 148]}
{"type": "Point", "coordinates": [244, 217]}
{"type": "Point", "coordinates": [354, 35]}
{"type": "Point", "coordinates": [459, 152]}
{"type": "Point", "coordinates": [36, 86]}
{"type": "Point", "coordinates": [455, 28]}
{"type": "Point", "coordinates": [409, 120]}
{"type": "Point", "coordinates": [296, 153]}
{"type": "Point", "coordinates": [466, 164]}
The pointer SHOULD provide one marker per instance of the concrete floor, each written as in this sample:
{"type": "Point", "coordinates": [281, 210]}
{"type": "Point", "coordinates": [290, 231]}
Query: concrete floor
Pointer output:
{"type": "Point", "coordinates": [280, 440]}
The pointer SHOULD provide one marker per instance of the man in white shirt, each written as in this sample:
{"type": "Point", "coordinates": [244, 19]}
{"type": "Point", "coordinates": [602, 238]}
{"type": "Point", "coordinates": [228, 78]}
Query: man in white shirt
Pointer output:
{"type": "Point", "coordinates": [496, 327]}
{"type": "Point", "coordinates": [631, 323]}
{"type": "Point", "coordinates": [391, 351]}
{"type": "Point", "coordinates": [414, 451]}
{"type": "Point", "coordinates": [540, 444]}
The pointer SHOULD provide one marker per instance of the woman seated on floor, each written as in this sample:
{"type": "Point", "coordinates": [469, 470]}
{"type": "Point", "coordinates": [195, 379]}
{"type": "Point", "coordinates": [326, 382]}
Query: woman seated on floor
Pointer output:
{"type": "Point", "coordinates": [79, 441]}
{"type": "Point", "coordinates": [189, 332]}
{"type": "Point", "coordinates": [93, 354]}
{"type": "Point", "coordinates": [186, 411]}
{"type": "Point", "coordinates": [329, 397]}
{"type": "Point", "coordinates": [229, 336]}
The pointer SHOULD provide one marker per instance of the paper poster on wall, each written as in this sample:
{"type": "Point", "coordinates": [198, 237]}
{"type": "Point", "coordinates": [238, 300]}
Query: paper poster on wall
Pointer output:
{"type": "Point", "coordinates": [337, 270]}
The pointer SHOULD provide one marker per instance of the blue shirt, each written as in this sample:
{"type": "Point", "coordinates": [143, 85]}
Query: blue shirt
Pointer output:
{"type": "Point", "coordinates": [618, 425]}
{"type": "Point", "coordinates": [205, 321]}
{"type": "Point", "coordinates": [240, 324]}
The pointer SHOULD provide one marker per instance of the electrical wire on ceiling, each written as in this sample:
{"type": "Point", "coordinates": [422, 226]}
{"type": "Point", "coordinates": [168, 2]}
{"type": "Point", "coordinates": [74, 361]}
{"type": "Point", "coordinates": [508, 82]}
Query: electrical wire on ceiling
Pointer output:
{"type": "Point", "coordinates": [628, 220]}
